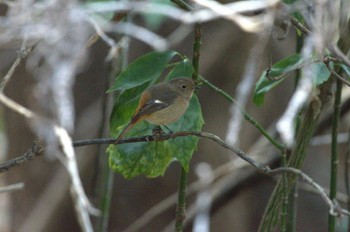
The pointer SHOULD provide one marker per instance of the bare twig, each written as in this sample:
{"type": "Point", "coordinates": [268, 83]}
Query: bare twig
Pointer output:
{"type": "Point", "coordinates": [16, 107]}
{"type": "Point", "coordinates": [12, 187]}
{"type": "Point", "coordinates": [109, 41]}
{"type": "Point", "coordinates": [83, 205]}
{"type": "Point", "coordinates": [244, 88]}
{"type": "Point", "coordinates": [300, 26]}
{"type": "Point", "coordinates": [231, 11]}
{"type": "Point", "coordinates": [334, 207]}
{"type": "Point", "coordinates": [22, 53]}
{"type": "Point", "coordinates": [339, 54]}
{"type": "Point", "coordinates": [331, 70]}
{"type": "Point", "coordinates": [34, 151]}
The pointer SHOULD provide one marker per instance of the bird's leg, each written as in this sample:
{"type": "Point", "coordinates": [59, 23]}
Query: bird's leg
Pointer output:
{"type": "Point", "coordinates": [168, 129]}
{"type": "Point", "coordinates": [157, 131]}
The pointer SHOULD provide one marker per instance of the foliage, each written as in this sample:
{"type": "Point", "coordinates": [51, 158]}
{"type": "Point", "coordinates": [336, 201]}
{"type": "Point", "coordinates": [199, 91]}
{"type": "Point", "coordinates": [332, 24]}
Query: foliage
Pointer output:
{"type": "Point", "coordinates": [150, 158]}
{"type": "Point", "coordinates": [279, 71]}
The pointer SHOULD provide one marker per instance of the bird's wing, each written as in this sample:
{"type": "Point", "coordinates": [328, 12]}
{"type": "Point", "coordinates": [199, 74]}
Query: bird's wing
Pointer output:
{"type": "Point", "coordinates": [160, 98]}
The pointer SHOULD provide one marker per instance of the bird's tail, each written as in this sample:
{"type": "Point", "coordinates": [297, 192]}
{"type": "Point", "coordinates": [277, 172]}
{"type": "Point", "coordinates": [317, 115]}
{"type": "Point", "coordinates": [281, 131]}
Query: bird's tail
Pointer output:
{"type": "Point", "coordinates": [132, 122]}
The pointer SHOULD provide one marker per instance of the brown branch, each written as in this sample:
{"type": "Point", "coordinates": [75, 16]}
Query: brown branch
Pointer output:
{"type": "Point", "coordinates": [334, 73]}
{"type": "Point", "coordinates": [22, 53]}
{"type": "Point", "coordinates": [300, 26]}
{"type": "Point", "coordinates": [37, 150]}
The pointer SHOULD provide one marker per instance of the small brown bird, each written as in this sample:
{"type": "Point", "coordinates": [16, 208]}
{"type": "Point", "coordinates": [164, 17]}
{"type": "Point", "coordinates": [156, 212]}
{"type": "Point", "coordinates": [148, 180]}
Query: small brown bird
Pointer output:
{"type": "Point", "coordinates": [162, 103]}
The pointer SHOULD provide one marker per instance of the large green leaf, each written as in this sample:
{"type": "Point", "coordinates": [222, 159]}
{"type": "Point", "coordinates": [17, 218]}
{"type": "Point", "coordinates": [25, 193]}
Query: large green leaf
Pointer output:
{"type": "Point", "coordinates": [125, 107]}
{"type": "Point", "coordinates": [274, 76]}
{"type": "Point", "coordinates": [321, 72]}
{"type": "Point", "coordinates": [144, 69]}
{"type": "Point", "coordinates": [181, 69]}
{"type": "Point", "coordinates": [152, 158]}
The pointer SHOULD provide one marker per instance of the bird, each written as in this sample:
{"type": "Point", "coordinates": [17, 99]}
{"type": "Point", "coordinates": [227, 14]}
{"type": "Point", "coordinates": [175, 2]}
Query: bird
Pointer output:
{"type": "Point", "coordinates": [162, 104]}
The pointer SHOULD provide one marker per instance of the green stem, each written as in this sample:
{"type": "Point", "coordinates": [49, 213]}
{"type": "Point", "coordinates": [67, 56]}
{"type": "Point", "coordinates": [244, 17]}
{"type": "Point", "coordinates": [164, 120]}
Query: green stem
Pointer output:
{"type": "Point", "coordinates": [245, 114]}
{"type": "Point", "coordinates": [292, 208]}
{"type": "Point", "coordinates": [347, 177]}
{"type": "Point", "coordinates": [105, 179]}
{"type": "Point", "coordinates": [181, 203]}
{"type": "Point", "coordinates": [297, 157]}
{"type": "Point", "coordinates": [105, 199]}
{"type": "Point", "coordinates": [196, 50]}
{"type": "Point", "coordinates": [292, 195]}
{"type": "Point", "coordinates": [335, 155]}
{"type": "Point", "coordinates": [285, 194]}
{"type": "Point", "coordinates": [180, 210]}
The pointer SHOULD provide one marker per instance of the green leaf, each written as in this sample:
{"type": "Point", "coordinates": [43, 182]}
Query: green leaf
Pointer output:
{"type": "Point", "coordinates": [183, 147]}
{"type": "Point", "coordinates": [152, 158]}
{"type": "Point", "coordinates": [144, 69]}
{"type": "Point", "coordinates": [125, 107]}
{"type": "Point", "coordinates": [321, 72]}
{"type": "Point", "coordinates": [275, 75]}
{"type": "Point", "coordinates": [181, 69]}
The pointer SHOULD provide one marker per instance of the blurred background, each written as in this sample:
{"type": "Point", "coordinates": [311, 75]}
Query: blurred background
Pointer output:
{"type": "Point", "coordinates": [44, 204]}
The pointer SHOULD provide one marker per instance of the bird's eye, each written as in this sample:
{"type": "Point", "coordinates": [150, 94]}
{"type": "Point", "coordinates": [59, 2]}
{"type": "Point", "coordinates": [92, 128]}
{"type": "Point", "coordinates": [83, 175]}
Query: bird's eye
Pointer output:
{"type": "Point", "coordinates": [184, 86]}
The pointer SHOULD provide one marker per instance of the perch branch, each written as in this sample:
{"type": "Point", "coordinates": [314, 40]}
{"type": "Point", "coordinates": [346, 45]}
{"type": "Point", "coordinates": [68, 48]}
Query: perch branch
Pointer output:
{"type": "Point", "coordinates": [335, 209]}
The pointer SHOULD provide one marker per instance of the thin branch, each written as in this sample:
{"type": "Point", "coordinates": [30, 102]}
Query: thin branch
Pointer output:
{"type": "Point", "coordinates": [16, 107]}
{"type": "Point", "coordinates": [333, 205]}
{"type": "Point", "coordinates": [264, 169]}
{"type": "Point", "coordinates": [232, 11]}
{"type": "Point", "coordinates": [130, 29]}
{"type": "Point", "coordinates": [331, 70]}
{"type": "Point", "coordinates": [335, 152]}
{"type": "Point", "coordinates": [300, 26]}
{"type": "Point", "coordinates": [245, 86]}
{"type": "Point", "coordinates": [100, 33]}
{"type": "Point", "coordinates": [163, 137]}
{"type": "Point", "coordinates": [12, 187]}
{"type": "Point", "coordinates": [83, 205]}
{"type": "Point", "coordinates": [247, 23]}
{"type": "Point", "coordinates": [339, 54]}
{"type": "Point", "coordinates": [36, 150]}
{"type": "Point", "coordinates": [247, 117]}
{"type": "Point", "coordinates": [22, 53]}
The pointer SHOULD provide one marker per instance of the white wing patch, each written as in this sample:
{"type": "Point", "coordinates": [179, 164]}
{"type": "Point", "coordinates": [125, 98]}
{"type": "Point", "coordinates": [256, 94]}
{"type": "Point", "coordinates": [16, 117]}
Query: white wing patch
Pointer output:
{"type": "Point", "coordinates": [158, 101]}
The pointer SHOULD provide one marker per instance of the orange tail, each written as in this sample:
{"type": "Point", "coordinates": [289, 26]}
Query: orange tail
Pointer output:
{"type": "Point", "coordinates": [126, 129]}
